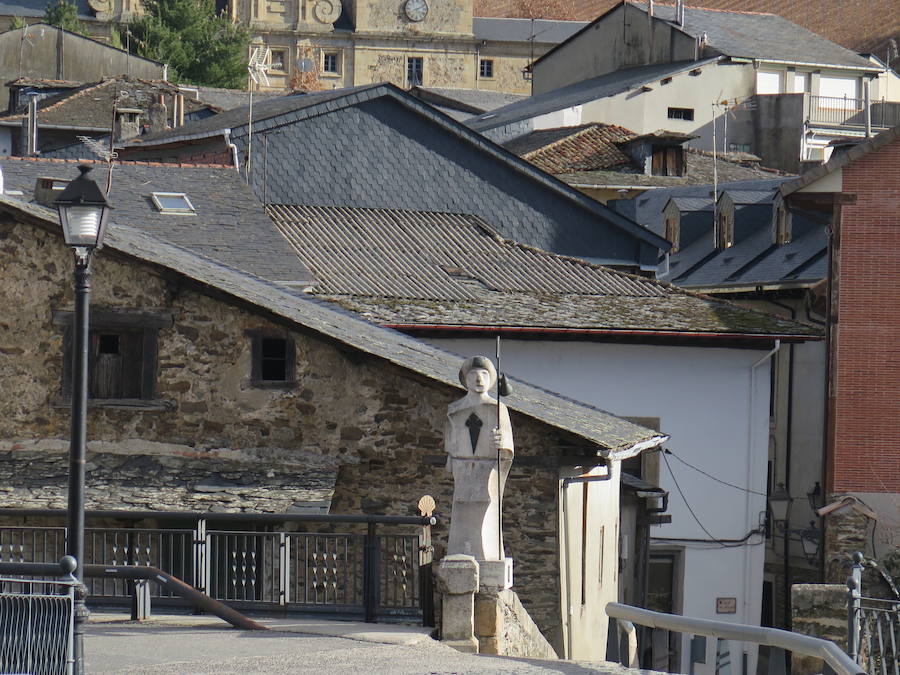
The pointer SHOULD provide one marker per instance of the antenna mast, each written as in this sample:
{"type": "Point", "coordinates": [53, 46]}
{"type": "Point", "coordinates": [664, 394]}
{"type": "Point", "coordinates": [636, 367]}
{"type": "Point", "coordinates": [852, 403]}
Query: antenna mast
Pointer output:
{"type": "Point", "coordinates": [256, 70]}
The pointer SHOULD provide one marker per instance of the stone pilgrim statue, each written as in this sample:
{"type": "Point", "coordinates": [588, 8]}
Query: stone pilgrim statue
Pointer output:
{"type": "Point", "coordinates": [476, 430]}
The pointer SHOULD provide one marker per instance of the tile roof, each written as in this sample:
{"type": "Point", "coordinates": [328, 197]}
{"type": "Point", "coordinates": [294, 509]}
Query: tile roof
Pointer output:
{"type": "Point", "coordinates": [699, 172]}
{"type": "Point", "coordinates": [584, 148]}
{"type": "Point", "coordinates": [415, 268]}
{"type": "Point", "coordinates": [520, 30]}
{"type": "Point", "coordinates": [611, 433]}
{"type": "Point", "coordinates": [91, 105]}
{"type": "Point", "coordinates": [579, 93]}
{"type": "Point", "coordinates": [229, 223]}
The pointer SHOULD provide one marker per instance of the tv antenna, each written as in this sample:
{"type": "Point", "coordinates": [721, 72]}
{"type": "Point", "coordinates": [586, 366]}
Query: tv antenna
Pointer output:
{"type": "Point", "coordinates": [256, 69]}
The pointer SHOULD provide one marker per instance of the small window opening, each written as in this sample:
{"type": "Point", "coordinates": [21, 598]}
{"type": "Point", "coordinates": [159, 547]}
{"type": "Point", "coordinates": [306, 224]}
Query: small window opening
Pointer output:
{"type": "Point", "coordinates": [486, 68]}
{"type": "Point", "coordinates": [415, 68]}
{"type": "Point", "coordinates": [108, 344]}
{"type": "Point", "coordinates": [330, 62]}
{"type": "Point", "coordinates": [274, 360]}
{"type": "Point", "coordinates": [686, 114]}
{"type": "Point", "coordinates": [172, 202]}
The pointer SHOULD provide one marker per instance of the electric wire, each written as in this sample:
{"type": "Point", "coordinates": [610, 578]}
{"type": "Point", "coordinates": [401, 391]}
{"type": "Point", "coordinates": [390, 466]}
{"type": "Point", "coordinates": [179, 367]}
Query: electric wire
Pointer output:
{"type": "Point", "coordinates": [712, 539]}
{"type": "Point", "coordinates": [666, 451]}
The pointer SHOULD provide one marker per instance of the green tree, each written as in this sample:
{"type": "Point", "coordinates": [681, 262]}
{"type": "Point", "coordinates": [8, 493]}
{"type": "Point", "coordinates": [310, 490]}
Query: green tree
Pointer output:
{"type": "Point", "coordinates": [199, 46]}
{"type": "Point", "coordinates": [63, 14]}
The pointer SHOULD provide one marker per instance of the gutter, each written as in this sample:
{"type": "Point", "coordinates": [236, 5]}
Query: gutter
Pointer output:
{"type": "Point", "coordinates": [536, 330]}
{"type": "Point", "coordinates": [784, 62]}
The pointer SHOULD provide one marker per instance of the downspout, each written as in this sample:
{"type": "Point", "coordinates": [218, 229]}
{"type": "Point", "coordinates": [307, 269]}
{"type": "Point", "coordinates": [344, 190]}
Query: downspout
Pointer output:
{"type": "Point", "coordinates": [750, 439]}
{"type": "Point", "coordinates": [233, 148]}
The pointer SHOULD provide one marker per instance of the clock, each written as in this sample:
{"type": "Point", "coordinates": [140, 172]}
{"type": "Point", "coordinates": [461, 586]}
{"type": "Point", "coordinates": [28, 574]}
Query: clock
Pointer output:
{"type": "Point", "coordinates": [416, 10]}
{"type": "Point", "coordinates": [328, 11]}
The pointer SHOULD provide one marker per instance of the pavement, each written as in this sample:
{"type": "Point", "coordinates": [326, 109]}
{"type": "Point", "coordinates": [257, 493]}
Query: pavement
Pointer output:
{"type": "Point", "coordinates": [203, 645]}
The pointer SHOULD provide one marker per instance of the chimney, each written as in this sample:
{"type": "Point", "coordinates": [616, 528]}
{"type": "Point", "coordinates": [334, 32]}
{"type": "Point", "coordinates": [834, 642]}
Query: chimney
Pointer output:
{"type": "Point", "coordinates": [679, 12]}
{"type": "Point", "coordinates": [158, 116]}
{"type": "Point", "coordinates": [31, 127]}
{"type": "Point", "coordinates": [128, 123]}
{"type": "Point", "coordinates": [650, 7]}
{"type": "Point", "coordinates": [46, 190]}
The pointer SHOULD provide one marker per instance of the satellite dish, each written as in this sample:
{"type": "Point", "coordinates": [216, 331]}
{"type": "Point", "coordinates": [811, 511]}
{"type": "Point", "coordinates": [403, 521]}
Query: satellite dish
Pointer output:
{"type": "Point", "coordinates": [305, 65]}
{"type": "Point", "coordinates": [257, 65]}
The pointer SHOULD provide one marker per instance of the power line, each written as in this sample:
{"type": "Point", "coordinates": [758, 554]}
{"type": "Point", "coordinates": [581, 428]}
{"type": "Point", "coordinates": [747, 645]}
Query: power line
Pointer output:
{"type": "Point", "coordinates": [709, 475]}
{"type": "Point", "coordinates": [721, 542]}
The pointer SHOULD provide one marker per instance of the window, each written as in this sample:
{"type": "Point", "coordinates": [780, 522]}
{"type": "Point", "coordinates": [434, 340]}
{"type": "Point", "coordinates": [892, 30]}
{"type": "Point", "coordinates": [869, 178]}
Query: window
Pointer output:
{"type": "Point", "coordinates": [681, 114]}
{"type": "Point", "coordinates": [782, 225]}
{"type": "Point", "coordinates": [273, 360]}
{"type": "Point", "coordinates": [801, 83]}
{"type": "Point", "coordinates": [122, 353]}
{"type": "Point", "coordinates": [172, 202]}
{"type": "Point", "coordinates": [277, 60]}
{"type": "Point", "coordinates": [331, 63]}
{"type": "Point", "coordinates": [724, 229]}
{"type": "Point", "coordinates": [768, 82]}
{"type": "Point", "coordinates": [414, 71]}
{"type": "Point", "coordinates": [739, 147]}
{"type": "Point", "coordinates": [486, 68]}
{"type": "Point", "coordinates": [672, 233]}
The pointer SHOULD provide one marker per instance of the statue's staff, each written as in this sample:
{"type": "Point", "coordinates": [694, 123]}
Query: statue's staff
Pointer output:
{"type": "Point", "coordinates": [502, 390]}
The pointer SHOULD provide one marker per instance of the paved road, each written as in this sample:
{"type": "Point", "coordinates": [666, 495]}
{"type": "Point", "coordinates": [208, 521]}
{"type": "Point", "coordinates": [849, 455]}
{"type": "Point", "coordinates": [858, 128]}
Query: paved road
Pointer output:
{"type": "Point", "coordinates": [117, 646]}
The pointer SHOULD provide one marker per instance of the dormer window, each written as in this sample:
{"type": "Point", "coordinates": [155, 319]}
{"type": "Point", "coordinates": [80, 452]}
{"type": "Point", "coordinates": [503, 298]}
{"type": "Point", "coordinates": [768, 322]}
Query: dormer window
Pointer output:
{"type": "Point", "coordinates": [172, 202]}
{"type": "Point", "coordinates": [672, 215]}
{"type": "Point", "coordinates": [724, 222]}
{"type": "Point", "coordinates": [668, 160]}
{"type": "Point", "coordinates": [782, 225]}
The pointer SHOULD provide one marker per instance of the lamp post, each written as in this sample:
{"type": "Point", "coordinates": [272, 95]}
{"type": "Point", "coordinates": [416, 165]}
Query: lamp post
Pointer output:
{"type": "Point", "coordinates": [83, 212]}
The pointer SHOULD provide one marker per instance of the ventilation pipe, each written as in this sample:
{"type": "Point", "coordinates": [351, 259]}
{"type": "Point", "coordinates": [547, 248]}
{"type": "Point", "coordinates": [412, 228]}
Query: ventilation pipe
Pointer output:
{"type": "Point", "coordinates": [679, 12]}
{"type": "Point", "coordinates": [31, 127]}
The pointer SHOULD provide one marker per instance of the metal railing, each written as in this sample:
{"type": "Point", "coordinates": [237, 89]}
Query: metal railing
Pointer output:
{"type": "Point", "coordinates": [778, 639]}
{"type": "Point", "coordinates": [37, 622]}
{"type": "Point", "coordinates": [363, 574]}
{"type": "Point", "coordinates": [851, 112]}
{"type": "Point", "coordinates": [873, 627]}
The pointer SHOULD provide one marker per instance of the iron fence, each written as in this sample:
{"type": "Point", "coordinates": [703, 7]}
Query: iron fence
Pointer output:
{"type": "Point", "coordinates": [873, 627]}
{"type": "Point", "coordinates": [362, 575]}
{"type": "Point", "coordinates": [36, 625]}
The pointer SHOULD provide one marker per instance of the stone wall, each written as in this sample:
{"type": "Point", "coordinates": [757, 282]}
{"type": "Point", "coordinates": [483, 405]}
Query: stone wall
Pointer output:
{"type": "Point", "coordinates": [819, 610]}
{"type": "Point", "coordinates": [377, 424]}
{"type": "Point", "coordinates": [503, 626]}
{"type": "Point", "coordinates": [846, 531]}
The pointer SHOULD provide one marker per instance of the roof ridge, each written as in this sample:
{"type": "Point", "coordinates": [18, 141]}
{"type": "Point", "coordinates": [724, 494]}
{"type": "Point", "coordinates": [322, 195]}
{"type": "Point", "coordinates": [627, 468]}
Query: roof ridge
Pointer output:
{"type": "Point", "coordinates": [89, 160]}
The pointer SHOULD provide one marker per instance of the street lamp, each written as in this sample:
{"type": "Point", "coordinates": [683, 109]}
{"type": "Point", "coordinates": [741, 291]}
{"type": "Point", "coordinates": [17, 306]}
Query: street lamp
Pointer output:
{"type": "Point", "coordinates": [83, 212]}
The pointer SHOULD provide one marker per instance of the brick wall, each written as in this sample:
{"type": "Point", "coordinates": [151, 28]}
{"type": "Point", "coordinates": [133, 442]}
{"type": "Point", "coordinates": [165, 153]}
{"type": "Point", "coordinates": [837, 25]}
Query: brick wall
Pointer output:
{"type": "Point", "coordinates": [866, 369]}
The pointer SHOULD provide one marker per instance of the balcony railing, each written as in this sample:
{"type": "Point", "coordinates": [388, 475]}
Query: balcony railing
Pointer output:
{"type": "Point", "coordinates": [832, 111]}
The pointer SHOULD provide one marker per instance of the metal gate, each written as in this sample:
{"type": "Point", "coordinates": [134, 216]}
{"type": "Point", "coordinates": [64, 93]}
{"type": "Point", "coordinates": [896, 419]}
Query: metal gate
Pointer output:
{"type": "Point", "coordinates": [873, 627]}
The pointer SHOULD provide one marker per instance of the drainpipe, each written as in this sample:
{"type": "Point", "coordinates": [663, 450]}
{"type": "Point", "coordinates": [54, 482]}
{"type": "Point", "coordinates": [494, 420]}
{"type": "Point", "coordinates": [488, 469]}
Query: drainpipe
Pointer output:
{"type": "Point", "coordinates": [750, 436]}
{"type": "Point", "coordinates": [233, 148]}
{"type": "Point", "coordinates": [31, 128]}
{"type": "Point", "coordinates": [868, 105]}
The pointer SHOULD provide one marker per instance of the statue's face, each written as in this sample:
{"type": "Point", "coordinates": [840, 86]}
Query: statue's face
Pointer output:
{"type": "Point", "coordinates": [478, 380]}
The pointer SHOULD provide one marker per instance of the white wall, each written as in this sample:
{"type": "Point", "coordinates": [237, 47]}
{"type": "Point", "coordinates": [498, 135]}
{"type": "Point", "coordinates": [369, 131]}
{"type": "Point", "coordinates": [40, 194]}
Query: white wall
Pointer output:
{"type": "Point", "coordinates": [718, 421]}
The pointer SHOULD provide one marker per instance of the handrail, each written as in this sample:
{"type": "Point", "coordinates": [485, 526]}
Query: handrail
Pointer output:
{"type": "Point", "coordinates": [164, 579]}
{"type": "Point", "coordinates": [773, 637]}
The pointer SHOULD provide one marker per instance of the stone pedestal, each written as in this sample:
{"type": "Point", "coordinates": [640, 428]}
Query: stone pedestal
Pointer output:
{"type": "Point", "coordinates": [457, 580]}
{"type": "Point", "coordinates": [495, 575]}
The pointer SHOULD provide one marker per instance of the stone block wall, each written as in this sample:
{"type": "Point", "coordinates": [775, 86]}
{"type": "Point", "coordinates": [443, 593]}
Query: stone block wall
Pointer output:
{"type": "Point", "coordinates": [380, 425]}
{"type": "Point", "coordinates": [504, 627]}
{"type": "Point", "coordinates": [818, 610]}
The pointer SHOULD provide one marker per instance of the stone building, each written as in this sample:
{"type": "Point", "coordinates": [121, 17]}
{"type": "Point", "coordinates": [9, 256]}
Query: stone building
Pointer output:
{"type": "Point", "coordinates": [255, 382]}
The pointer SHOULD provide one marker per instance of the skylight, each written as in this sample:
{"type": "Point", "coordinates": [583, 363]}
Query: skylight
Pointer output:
{"type": "Point", "coordinates": [172, 202]}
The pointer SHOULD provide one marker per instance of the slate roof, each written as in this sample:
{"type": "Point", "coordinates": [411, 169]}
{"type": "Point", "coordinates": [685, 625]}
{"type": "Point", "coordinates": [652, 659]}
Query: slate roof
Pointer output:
{"type": "Point", "coordinates": [120, 480]}
{"type": "Point", "coordinates": [90, 106]}
{"type": "Point", "coordinates": [614, 435]}
{"type": "Point", "coordinates": [753, 35]}
{"type": "Point", "coordinates": [472, 101]}
{"type": "Point", "coordinates": [229, 225]}
{"type": "Point", "coordinates": [457, 168]}
{"type": "Point", "coordinates": [578, 93]}
{"type": "Point", "coordinates": [417, 268]}
{"type": "Point", "coordinates": [754, 259]}
{"type": "Point", "coordinates": [520, 30]}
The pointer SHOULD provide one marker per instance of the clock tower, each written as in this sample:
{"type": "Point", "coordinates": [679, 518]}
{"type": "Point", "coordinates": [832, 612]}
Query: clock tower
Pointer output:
{"type": "Point", "coordinates": [448, 17]}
